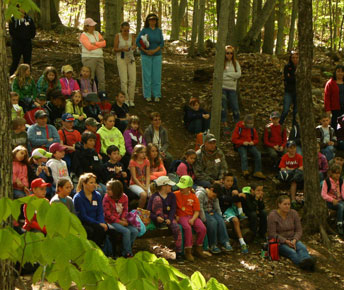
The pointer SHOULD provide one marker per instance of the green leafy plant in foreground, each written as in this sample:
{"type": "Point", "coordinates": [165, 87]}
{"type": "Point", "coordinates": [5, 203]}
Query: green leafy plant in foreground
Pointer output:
{"type": "Point", "coordinates": [65, 256]}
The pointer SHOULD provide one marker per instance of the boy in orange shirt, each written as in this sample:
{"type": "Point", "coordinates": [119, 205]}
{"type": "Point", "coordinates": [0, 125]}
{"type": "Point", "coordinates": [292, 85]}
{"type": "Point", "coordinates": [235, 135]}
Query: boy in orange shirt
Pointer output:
{"type": "Point", "coordinates": [188, 208]}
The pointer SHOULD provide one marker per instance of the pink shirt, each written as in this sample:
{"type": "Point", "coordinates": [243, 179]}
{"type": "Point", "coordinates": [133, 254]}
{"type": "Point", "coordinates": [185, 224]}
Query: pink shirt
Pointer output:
{"type": "Point", "coordinates": [158, 171]}
{"type": "Point", "coordinates": [140, 169]}
{"type": "Point", "coordinates": [114, 211]}
{"type": "Point", "coordinates": [334, 193]}
{"type": "Point", "coordinates": [20, 172]}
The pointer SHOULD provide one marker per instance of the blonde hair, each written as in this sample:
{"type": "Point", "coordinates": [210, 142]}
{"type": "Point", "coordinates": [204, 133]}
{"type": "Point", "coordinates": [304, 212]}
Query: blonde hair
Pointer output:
{"type": "Point", "coordinates": [20, 74]}
{"type": "Point", "coordinates": [84, 178]}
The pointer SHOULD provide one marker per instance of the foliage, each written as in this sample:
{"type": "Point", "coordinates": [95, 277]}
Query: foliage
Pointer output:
{"type": "Point", "coordinates": [65, 255]}
{"type": "Point", "coordinates": [25, 5]}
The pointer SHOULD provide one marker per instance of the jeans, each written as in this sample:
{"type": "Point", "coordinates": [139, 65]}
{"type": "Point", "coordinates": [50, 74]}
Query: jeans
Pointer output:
{"type": "Point", "coordinates": [230, 99]}
{"type": "Point", "coordinates": [198, 125]}
{"type": "Point", "coordinates": [253, 222]}
{"type": "Point", "coordinates": [256, 155]}
{"type": "Point", "coordinates": [328, 151]}
{"type": "Point", "coordinates": [129, 235]}
{"type": "Point", "coordinates": [296, 256]}
{"type": "Point", "coordinates": [275, 156]}
{"type": "Point", "coordinates": [17, 193]}
{"type": "Point", "coordinates": [151, 75]}
{"type": "Point", "coordinates": [216, 229]}
{"type": "Point", "coordinates": [289, 98]}
{"type": "Point", "coordinates": [339, 208]}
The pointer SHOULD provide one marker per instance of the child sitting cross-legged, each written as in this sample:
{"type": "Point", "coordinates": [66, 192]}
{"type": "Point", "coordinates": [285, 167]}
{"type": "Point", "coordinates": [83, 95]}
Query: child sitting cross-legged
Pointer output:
{"type": "Point", "coordinates": [115, 204]}
{"type": "Point", "coordinates": [211, 215]}
{"type": "Point", "coordinates": [162, 205]}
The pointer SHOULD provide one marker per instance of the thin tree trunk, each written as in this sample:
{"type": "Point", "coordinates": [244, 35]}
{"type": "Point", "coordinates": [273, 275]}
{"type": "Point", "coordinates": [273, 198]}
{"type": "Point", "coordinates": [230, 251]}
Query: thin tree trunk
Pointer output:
{"type": "Point", "coordinates": [231, 24]}
{"type": "Point", "coordinates": [341, 33]}
{"type": "Point", "coordinates": [315, 208]}
{"type": "Point", "coordinates": [269, 31]}
{"type": "Point", "coordinates": [45, 15]}
{"type": "Point", "coordinates": [280, 32]}
{"type": "Point", "coordinates": [335, 26]}
{"type": "Point", "coordinates": [178, 11]}
{"type": "Point", "coordinates": [93, 11]}
{"type": "Point", "coordinates": [138, 15]}
{"type": "Point", "coordinates": [292, 25]}
{"type": "Point", "coordinates": [111, 22]}
{"type": "Point", "coordinates": [258, 42]}
{"type": "Point", "coordinates": [242, 20]}
{"type": "Point", "coordinates": [160, 11]}
{"type": "Point", "coordinates": [54, 13]}
{"type": "Point", "coordinates": [194, 29]}
{"type": "Point", "coordinates": [201, 15]}
{"type": "Point", "coordinates": [218, 69]}
{"type": "Point", "coordinates": [331, 32]}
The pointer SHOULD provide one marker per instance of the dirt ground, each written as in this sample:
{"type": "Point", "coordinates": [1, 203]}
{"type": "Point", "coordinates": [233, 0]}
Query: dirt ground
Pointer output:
{"type": "Point", "coordinates": [261, 88]}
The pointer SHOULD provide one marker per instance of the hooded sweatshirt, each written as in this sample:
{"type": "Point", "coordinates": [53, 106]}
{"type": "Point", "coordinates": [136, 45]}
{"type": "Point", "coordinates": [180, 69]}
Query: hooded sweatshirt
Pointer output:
{"type": "Point", "coordinates": [111, 137]}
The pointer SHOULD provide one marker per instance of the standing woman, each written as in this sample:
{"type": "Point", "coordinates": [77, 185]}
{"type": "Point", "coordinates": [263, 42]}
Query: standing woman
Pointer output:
{"type": "Point", "coordinates": [334, 96]}
{"type": "Point", "coordinates": [92, 51]}
{"type": "Point", "coordinates": [290, 87]}
{"type": "Point", "coordinates": [231, 74]}
{"type": "Point", "coordinates": [124, 46]}
{"type": "Point", "coordinates": [151, 58]}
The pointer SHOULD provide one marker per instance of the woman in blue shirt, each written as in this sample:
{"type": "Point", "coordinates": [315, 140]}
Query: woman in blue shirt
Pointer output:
{"type": "Point", "coordinates": [151, 58]}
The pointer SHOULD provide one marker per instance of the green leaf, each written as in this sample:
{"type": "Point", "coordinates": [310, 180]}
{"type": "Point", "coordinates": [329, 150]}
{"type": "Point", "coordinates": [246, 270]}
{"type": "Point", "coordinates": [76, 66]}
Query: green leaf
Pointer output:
{"type": "Point", "coordinates": [213, 284]}
{"type": "Point", "coordinates": [127, 270]}
{"type": "Point", "coordinates": [141, 284]}
{"type": "Point", "coordinates": [37, 275]}
{"type": "Point", "coordinates": [185, 284]}
{"type": "Point", "coordinates": [5, 208]}
{"type": "Point", "coordinates": [198, 280]}
{"type": "Point", "coordinates": [175, 285]}
{"type": "Point", "coordinates": [33, 246]}
{"type": "Point", "coordinates": [32, 206]}
{"type": "Point", "coordinates": [110, 283]}
{"type": "Point", "coordinates": [95, 260]}
{"type": "Point", "coordinates": [58, 220]}
{"type": "Point", "coordinates": [55, 250]}
{"type": "Point", "coordinates": [166, 274]}
{"type": "Point", "coordinates": [15, 208]}
{"type": "Point", "coordinates": [76, 227]}
{"type": "Point", "coordinates": [42, 213]}
{"type": "Point", "coordinates": [145, 256]}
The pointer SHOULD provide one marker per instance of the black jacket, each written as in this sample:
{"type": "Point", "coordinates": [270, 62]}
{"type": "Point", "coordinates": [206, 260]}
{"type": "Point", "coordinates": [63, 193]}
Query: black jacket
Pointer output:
{"type": "Point", "coordinates": [86, 160]}
{"type": "Point", "coordinates": [22, 29]}
{"type": "Point", "coordinates": [290, 78]}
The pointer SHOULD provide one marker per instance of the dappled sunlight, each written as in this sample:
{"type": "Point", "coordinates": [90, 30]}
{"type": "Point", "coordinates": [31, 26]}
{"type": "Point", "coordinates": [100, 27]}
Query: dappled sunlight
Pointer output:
{"type": "Point", "coordinates": [248, 266]}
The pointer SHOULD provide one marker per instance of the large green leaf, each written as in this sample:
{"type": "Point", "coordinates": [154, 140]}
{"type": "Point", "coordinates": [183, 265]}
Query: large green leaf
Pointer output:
{"type": "Point", "coordinates": [141, 284]}
{"type": "Point", "coordinates": [213, 284]}
{"type": "Point", "coordinates": [5, 208]}
{"type": "Point", "coordinates": [15, 208]}
{"type": "Point", "coordinates": [58, 220]}
{"type": "Point", "coordinates": [42, 213]}
{"type": "Point", "coordinates": [198, 280]}
{"type": "Point", "coordinates": [110, 283]}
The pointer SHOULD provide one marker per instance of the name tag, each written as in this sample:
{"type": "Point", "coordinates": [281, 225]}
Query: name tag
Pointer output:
{"type": "Point", "coordinates": [94, 203]}
{"type": "Point", "coordinates": [95, 158]}
{"type": "Point", "coordinates": [218, 160]}
{"type": "Point", "coordinates": [39, 133]}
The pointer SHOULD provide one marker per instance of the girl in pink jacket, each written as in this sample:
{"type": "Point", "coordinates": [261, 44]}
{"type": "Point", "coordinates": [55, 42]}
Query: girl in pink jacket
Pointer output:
{"type": "Point", "coordinates": [20, 179]}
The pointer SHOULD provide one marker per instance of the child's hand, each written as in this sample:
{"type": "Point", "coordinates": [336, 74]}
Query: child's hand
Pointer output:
{"type": "Point", "coordinates": [19, 183]}
{"type": "Point", "coordinates": [191, 222]}
{"type": "Point", "coordinates": [100, 157]}
{"type": "Point", "coordinates": [104, 226]}
{"type": "Point", "coordinates": [26, 190]}
{"type": "Point", "coordinates": [39, 170]}
{"type": "Point", "coordinates": [242, 195]}
{"type": "Point", "coordinates": [235, 192]}
{"type": "Point", "coordinates": [168, 222]}
{"type": "Point", "coordinates": [245, 143]}
{"type": "Point", "coordinates": [100, 117]}
{"type": "Point", "coordinates": [251, 143]}
{"type": "Point", "coordinates": [276, 147]}
{"type": "Point", "coordinates": [81, 118]}
{"type": "Point", "coordinates": [123, 222]}
{"type": "Point", "coordinates": [177, 218]}
{"type": "Point", "coordinates": [124, 174]}
{"type": "Point", "coordinates": [335, 202]}
{"type": "Point", "coordinates": [118, 169]}
{"type": "Point", "coordinates": [330, 143]}
{"type": "Point", "coordinates": [206, 116]}
{"type": "Point", "coordinates": [159, 219]}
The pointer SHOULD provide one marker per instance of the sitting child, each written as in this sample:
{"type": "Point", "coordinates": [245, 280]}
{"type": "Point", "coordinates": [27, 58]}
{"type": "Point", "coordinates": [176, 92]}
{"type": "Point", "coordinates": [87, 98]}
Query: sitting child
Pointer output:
{"type": "Point", "coordinates": [340, 132]}
{"type": "Point", "coordinates": [20, 179]}
{"type": "Point", "coordinates": [157, 167]}
{"type": "Point", "coordinates": [40, 102]}
{"type": "Point", "coordinates": [185, 166]}
{"type": "Point", "coordinates": [333, 193]}
{"type": "Point", "coordinates": [211, 216]}
{"type": "Point", "coordinates": [196, 119]}
{"type": "Point", "coordinates": [92, 109]}
{"type": "Point", "coordinates": [122, 112]}
{"type": "Point", "coordinates": [339, 160]}
{"type": "Point", "coordinates": [74, 106]}
{"type": "Point", "coordinates": [104, 104]}
{"type": "Point", "coordinates": [162, 206]}
{"type": "Point", "coordinates": [57, 166]}
{"type": "Point", "coordinates": [48, 81]}
{"type": "Point", "coordinates": [115, 204]}
{"type": "Point", "coordinates": [68, 84]}
{"type": "Point", "coordinates": [56, 106]}
{"type": "Point", "coordinates": [245, 139]}
{"type": "Point", "coordinates": [16, 111]}
{"type": "Point", "coordinates": [86, 83]}
{"type": "Point", "coordinates": [326, 137]}
{"type": "Point", "coordinates": [188, 209]}
{"type": "Point", "coordinates": [133, 134]}
{"type": "Point", "coordinates": [91, 125]}
{"type": "Point", "coordinates": [19, 134]}
{"type": "Point", "coordinates": [322, 163]}
{"type": "Point", "coordinates": [64, 188]}
{"type": "Point", "coordinates": [291, 170]}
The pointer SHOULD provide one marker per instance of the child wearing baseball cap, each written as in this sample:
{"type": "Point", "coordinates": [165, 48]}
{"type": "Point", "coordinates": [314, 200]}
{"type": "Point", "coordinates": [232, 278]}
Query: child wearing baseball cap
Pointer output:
{"type": "Point", "coordinates": [56, 164]}
{"type": "Point", "coordinates": [68, 84]}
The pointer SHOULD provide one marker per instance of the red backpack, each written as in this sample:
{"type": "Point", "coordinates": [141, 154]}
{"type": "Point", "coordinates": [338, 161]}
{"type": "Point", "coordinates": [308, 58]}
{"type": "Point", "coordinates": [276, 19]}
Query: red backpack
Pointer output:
{"type": "Point", "coordinates": [273, 251]}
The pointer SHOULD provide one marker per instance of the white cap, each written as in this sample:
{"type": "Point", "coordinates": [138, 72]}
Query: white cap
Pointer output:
{"type": "Point", "coordinates": [164, 180]}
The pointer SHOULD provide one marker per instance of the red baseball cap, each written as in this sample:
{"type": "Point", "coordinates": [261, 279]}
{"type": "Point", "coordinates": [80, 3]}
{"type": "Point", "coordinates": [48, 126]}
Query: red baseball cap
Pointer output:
{"type": "Point", "coordinates": [39, 182]}
{"type": "Point", "coordinates": [56, 147]}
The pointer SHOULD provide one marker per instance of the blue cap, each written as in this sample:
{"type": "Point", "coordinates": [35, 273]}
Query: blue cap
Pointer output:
{"type": "Point", "coordinates": [67, 117]}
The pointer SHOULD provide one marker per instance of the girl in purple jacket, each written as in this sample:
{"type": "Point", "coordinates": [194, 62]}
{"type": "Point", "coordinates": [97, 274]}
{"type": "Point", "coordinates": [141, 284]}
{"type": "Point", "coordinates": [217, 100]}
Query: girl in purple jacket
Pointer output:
{"type": "Point", "coordinates": [133, 134]}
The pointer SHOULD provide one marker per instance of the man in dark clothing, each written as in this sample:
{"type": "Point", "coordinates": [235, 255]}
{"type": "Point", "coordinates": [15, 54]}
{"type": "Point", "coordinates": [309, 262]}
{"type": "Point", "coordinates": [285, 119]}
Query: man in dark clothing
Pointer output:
{"type": "Point", "coordinates": [22, 31]}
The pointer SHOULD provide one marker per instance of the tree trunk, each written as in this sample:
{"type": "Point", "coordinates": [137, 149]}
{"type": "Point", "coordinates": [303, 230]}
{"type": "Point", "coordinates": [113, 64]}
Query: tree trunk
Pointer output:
{"type": "Point", "coordinates": [201, 15]}
{"type": "Point", "coordinates": [178, 11]}
{"type": "Point", "coordinates": [315, 208]}
{"type": "Point", "coordinates": [255, 14]}
{"type": "Point", "coordinates": [111, 22]}
{"type": "Point", "coordinates": [249, 41]}
{"type": "Point", "coordinates": [231, 24]}
{"type": "Point", "coordinates": [194, 29]}
{"type": "Point", "coordinates": [218, 69]}
{"type": "Point", "coordinates": [242, 20]}
{"type": "Point", "coordinates": [138, 15]}
{"type": "Point", "coordinates": [54, 13]}
{"type": "Point", "coordinates": [45, 15]}
{"type": "Point", "coordinates": [269, 30]}
{"type": "Point", "coordinates": [160, 11]}
{"type": "Point", "coordinates": [292, 25]}
{"type": "Point", "coordinates": [331, 32]}
{"type": "Point", "coordinates": [6, 272]}
{"type": "Point", "coordinates": [280, 31]}
{"type": "Point", "coordinates": [93, 11]}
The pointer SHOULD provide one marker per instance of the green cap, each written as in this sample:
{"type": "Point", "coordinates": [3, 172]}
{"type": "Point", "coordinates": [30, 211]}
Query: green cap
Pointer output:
{"type": "Point", "coordinates": [185, 181]}
{"type": "Point", "coordinates": [246, 189]}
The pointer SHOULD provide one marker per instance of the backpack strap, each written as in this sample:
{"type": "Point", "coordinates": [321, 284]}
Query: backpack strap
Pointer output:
{"type": "Point", "coordinates": [340, 185]}
{"type": "Point", "coordinates": [328, 182]}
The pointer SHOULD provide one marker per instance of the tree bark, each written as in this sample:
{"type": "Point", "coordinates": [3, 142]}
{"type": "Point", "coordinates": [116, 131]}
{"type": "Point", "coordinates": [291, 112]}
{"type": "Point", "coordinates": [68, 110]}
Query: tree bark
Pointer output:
{"type": "Point", "coordinates": [138, 15]}
{"type": "Point", "coordinates": [45, 15]}
{"type": "Point", "coordinates": [218, 69]}
{"type": "Point", "coordinates": [191, 52]}
{"type": "Point", "coordinates": [201, 15]}
{"type": "Point", "coordinates": [280, 31]}
{"type": "Point", "coordinates": [242, 20]}
{"type": "Point", "coordinates": [292, 25]}
{"type": "Point", "coordinates": [315, 208]}
{"type": "Point", "coordinates": [178, 11]}
{"type": "Point", "coordinates": [231, 24]}
{"type": "Point", "coordinates": [111, 21]}
{"type": "Point", "coordinates": [248, 43]}
{"type": "Point", "coordinates": [54, 13]}
{"type": "Point", "coordinates": [93, 11]}
{"type": "Point", "coordinates": [6, 270]}
{"type": "Point", "coordinates": [255, 14]}
{"type": "Point", "coordinates": [269, 31]}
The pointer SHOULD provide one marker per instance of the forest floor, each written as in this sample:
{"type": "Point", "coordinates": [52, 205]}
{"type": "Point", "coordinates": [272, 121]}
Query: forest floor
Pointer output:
{"type": "Point", "coordinates": [261, 92]}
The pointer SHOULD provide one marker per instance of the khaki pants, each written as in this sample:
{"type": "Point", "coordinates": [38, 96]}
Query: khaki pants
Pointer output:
{"type": "Point", "coordinates": [97, 69]}
{"type": "Point", "coordinates": [127, 75]}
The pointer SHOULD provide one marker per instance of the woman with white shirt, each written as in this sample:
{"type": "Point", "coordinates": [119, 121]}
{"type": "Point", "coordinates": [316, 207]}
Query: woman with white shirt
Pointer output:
{"type": "Point", "coordinates": [124, 46]}
{"type": "Point", "coordinates": [92, 51]}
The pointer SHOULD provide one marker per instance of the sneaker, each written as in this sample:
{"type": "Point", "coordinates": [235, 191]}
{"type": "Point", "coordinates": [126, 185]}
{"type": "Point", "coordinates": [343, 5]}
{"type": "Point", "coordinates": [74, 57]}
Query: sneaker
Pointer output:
{"type": "Point", "coordinates": [246, 173]}
{"type": "Point", "coordinates": [157, 100]}
{"type": "Point", "coordinates": [244, 249]}
{"type": "Point", "coordinates": [215, 250]}
{"type": "Point", "coordinates": [340, 229]}
{"type": "Point", "coordinates": [149, 100]}
{"type": "Point", "coordinates": [307, 264]}
{"type": "Point", "coordinates": [242, 216]}
{"type": "Point", "coordinates": [179, 258]}
{"type": "Point", "coordinates": [227, 247]}
{"type": "Point", "coordinates": [259, 175]}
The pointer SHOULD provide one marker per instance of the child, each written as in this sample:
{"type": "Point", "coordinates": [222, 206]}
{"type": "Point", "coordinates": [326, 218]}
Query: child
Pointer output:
{"type": "Point", "coordinates": [122, 111]}
{"type": "Point", "coordinates": [211, 215]}
{"type": "Point", "coordinates": [245, 139]}
{"type": "Point", "coordinates": [104, 106]}
{"type": "Point", "coordinates": [56, 164]}
{"type": "Point", "coordinates": [25, 86]}
{"type": "Point", "coordinates": [19, 135]}
{"type": "Point", "coordinates": [39, 189]}
{"type": "Point", "coordinates": [254, 208]}
{"type": "Point", "coordinates": [196, 119]}
{"type": "Point", "coordinates": [185, 166]}
{"type": "Point", "coordinates": [56, 106]}
{"type": "Point", "coordinates": [295, 135]}
{"type": "Point", "coordinates": [63, 189]}
{"type": "Point", "coordinates": [86, 83]}
{"type": "Point", "coordinates": [157, 167]}
{"type": "Point", "coordinates": [68, 84]}
{"type": "Point", "coordinates": [91, 125]}
{"type": "Point", "coordinates": [140, 174]}
{"type": "Point", "coordinates": [322, 163]}
{"type": "Point", "coordinates": [92, 109]}
{"type": "Point", "coordinates": [40, 102]}
{"type": "Point", "coordinates": [188, 209]}
{"type": "Point", "coordinates": [110, 135]}
{"type": "Point", "coordinates": [69, 137]}
{"type": "Point", "coordinates": [333, 193]}
{"type": "Point", "coordinates": [230, 203]}
{"type": "Point", "coordinates": [115, 204]}
{"type": "Point", "coordinates": [133, 134]}
{"type": "Point", "coordinates": [20, 178]}
{"type": "Point", "coordinates": [162, 205]}
{"type": "Point", "coordinates": [340, 132]}
{"type": "Point", "coordinates": [16, 111]}
{"type": "Point", "coordinates": [339, 160]}
{"type": "Point", "coordinates": [275, 139]}
{"type": "Point", "coordinates": [326, 136]}
{"type": "Point", "coordinates": [48, 81]}
{"type": "Point", "coordinates": [291, 170]}
{"type": "Point", "coordinates": [74, 106]}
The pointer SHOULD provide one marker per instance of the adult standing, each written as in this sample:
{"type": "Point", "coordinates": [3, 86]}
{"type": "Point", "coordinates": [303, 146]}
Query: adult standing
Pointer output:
{"type": "Point", "coordinates": [334, 95]}
{"type": "Point", "coordinates": [92, 51]}
{"type": "Point", "coordinates": [124, 46]}
{"type": "Point", "coordinates": [231, 74]}
{"type": "Point", "coordinates": [290, 86]}
{"type": "Point", "coordinates": [151, 57]}
{"type": "Point", "coordinates": [22, 31]}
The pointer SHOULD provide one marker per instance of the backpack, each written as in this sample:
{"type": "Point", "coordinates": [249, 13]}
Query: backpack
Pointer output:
{"type": "Point", "coordinates": [328, 182]}
{"type": "Point", "coordinates": [200, 139]}
{"type": "Point", "coordinates": [240, 130]}
{"type": "Point", "coordinates": [268, 128]}
{"type": "Point", "coordinates": [273, 251]}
